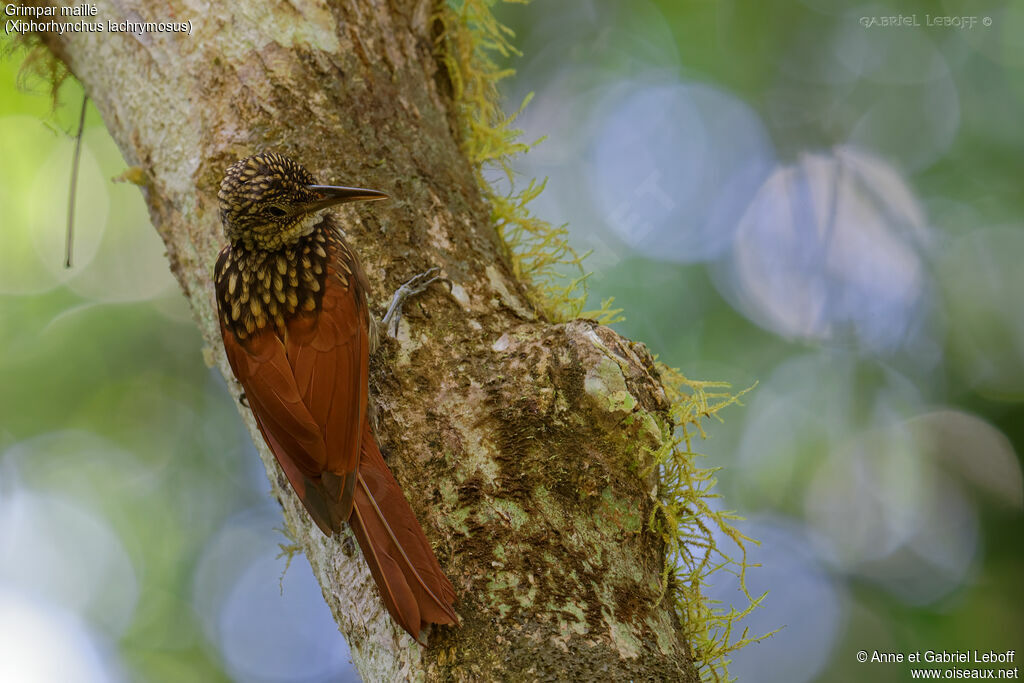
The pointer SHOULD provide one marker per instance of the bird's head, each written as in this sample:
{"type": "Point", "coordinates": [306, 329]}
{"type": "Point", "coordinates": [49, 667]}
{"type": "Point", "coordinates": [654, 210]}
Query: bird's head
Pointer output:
{"type": "Point", "coordinates": [268, 201]}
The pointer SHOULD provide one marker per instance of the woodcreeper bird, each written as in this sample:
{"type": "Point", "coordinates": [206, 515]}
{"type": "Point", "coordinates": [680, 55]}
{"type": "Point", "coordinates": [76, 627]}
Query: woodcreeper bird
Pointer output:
{"type": "Point", "coordinates": [296, 323]}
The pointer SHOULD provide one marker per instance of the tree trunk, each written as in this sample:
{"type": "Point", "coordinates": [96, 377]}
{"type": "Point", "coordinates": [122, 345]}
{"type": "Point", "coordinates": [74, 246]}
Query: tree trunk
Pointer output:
{"type": "Point", "coordinates": [522, 445]}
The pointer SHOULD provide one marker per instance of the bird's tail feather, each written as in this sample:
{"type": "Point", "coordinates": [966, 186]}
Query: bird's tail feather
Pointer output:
{"type": "Point", "coordinates": [415, 590]}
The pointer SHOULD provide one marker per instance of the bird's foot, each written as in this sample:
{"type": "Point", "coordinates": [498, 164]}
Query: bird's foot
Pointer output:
{"type": "Point", "coordinates": [414, 286]}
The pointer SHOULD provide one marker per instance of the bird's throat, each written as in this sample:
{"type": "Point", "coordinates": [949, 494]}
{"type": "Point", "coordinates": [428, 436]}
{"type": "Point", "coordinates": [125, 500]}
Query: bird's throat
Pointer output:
{"type": "Point", "coordinates": [261, 288]}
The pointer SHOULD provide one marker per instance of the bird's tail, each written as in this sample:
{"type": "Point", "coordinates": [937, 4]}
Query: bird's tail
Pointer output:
{"type": "Point", "coordinates": [409, 578]}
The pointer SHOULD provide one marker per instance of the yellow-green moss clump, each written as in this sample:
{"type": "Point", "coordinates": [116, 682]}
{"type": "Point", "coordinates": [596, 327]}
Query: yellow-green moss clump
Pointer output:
{"type": "Point", "coordinates": [470, 43]}
{"type": "Point", "coordinates": [540, 254]}
{"type": "Point", "coordinates": [689, 525]}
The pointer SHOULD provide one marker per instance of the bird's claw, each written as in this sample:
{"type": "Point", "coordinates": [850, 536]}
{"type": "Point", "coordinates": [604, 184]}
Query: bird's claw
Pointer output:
{"type": "Point", "coordinates": [415, 285]}
{"type": "Point", "coordinates": [418, 283]}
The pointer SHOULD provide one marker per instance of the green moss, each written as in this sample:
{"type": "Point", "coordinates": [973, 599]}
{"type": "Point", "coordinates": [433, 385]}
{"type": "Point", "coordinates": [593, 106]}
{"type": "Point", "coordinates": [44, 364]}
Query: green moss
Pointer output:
{"type": "Point", "coordinates": [288, 551]}
{"type": "Point", "coordinates": [470, 43]}
{"type": "Point", "coordinates": [688, 525]}
{"type": "Point", "coordinates": [38, 66]}
{"type": "Point", "coordinates": [539, 253]}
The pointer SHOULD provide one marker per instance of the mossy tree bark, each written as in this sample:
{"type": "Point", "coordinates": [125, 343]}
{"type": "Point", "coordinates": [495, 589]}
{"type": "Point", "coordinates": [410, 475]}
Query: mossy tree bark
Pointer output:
{"type": "Point", "coordinates": [522, 445]}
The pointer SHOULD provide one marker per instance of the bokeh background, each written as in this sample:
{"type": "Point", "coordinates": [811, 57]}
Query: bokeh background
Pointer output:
{"type": "Point", "coordinates": [786, 193]}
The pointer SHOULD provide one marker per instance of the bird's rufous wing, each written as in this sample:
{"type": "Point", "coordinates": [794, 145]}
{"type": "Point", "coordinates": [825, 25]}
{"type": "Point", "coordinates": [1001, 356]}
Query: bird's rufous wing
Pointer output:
{"type": "Point", "coordinates": [308, 392]}
{"type": "Point", "coordinates": [329, 353]}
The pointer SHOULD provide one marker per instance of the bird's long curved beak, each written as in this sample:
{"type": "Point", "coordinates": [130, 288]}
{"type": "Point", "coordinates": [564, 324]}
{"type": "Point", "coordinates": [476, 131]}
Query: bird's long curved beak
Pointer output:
{"type": "Point", "coordinates": [334, 194]}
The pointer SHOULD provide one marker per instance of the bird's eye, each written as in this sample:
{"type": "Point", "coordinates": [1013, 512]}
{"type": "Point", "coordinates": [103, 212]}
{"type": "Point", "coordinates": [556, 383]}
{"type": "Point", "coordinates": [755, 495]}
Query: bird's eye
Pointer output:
{"type": "Point", "coordinates": [276, 211]}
